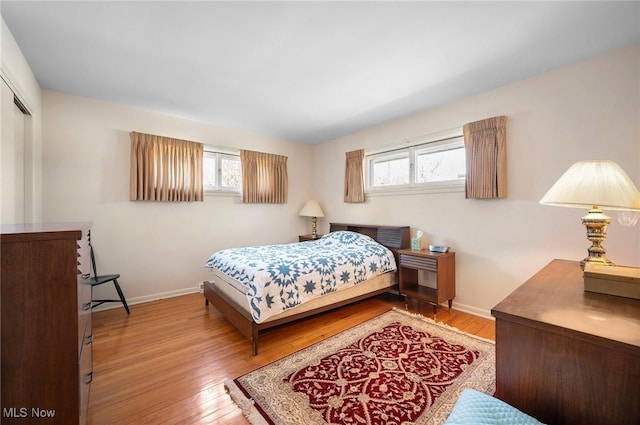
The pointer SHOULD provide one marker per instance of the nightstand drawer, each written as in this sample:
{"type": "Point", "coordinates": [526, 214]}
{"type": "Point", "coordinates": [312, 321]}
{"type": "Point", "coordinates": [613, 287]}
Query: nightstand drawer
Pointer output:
{"type": "Point", "coordinates": [425, 263]}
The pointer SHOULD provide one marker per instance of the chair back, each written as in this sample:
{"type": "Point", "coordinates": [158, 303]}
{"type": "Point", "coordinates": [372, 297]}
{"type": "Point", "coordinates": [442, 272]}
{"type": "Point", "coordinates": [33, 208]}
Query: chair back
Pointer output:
{"type": "Point", "coordinates": [93, 257]}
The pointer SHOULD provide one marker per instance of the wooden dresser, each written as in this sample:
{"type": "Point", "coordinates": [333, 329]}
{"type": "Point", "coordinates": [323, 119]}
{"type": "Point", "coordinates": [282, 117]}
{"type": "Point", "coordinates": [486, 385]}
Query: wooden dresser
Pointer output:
{"type": "Point", "coordinates": [46, 323]}
{"type": "Point", "coordinates": [566, 356]}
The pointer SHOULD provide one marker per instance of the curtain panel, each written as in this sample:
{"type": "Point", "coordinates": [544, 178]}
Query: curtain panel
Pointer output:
{"type": "Point", "coordinates": [165, 169]}
{"type": "Point", "coordinates": [354, 177]}
{"type": "Point", "coordinates": [485, 143]}
{"type": "Point", "coordinates": [264, 178]}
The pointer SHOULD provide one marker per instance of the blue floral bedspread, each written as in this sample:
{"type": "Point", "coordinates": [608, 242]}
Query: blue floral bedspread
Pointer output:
{"type": "Point", "coordinates": [279, 277]}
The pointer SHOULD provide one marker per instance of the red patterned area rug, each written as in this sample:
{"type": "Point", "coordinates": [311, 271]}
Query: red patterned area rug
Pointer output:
{"type": "Point", "coordinates": [398, 368]}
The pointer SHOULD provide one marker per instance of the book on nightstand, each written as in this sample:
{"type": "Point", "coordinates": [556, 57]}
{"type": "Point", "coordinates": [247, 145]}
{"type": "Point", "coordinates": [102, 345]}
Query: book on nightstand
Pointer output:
{"type": "Point", "coordinates": [621, 281]}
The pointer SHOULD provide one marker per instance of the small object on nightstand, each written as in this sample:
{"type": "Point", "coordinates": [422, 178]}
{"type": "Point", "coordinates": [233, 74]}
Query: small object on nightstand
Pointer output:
{"type": "Point", "coordinates": [438, 248]}
{"type": "Point", "coordinates": [417, 243]}
{"type": "Point", "coordinates": [304, 238]}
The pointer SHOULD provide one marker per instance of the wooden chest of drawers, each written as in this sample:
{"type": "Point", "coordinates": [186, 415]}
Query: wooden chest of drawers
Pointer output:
{"type": "Point", "coordinates": [566, 356]}
{"type": "Point", "coordinates": [46, 323]}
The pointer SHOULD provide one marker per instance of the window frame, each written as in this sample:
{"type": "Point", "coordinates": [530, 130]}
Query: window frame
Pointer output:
{"type": "Point", "coordinates": [414, 147]}
{"type": "Point", "coordinates": [219, 154]}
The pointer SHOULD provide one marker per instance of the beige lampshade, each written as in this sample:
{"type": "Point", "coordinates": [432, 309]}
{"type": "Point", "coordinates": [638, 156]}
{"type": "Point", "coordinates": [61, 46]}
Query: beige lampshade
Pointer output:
{"type": "Point", "coordinates": [311, 209]}
{"type": "Point", "coordinates": [594, 183]}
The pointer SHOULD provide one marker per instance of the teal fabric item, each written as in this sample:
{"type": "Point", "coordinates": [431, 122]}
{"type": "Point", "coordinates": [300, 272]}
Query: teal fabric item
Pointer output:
{"type": "Point", "coordinates": [476, 408]}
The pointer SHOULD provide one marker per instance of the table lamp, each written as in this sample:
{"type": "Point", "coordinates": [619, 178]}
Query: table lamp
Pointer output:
{"type": "Point", "coordinates": [594, 185]}
{"type": "Point", "coordinates": [312, 209]}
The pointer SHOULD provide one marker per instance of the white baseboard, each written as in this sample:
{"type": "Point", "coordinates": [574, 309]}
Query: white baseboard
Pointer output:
{"type": "Point", "coordinates": [198, 288]}
{"type": "Point", "coordinates": [473, 310]}
{"type": "Point", "coordinates": [152, 297]}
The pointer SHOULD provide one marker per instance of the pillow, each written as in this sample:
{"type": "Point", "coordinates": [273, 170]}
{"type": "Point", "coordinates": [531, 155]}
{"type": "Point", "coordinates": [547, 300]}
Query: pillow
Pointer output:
{"type": "Point", "coordinates": [346, 237]}
{"type": "Point", "coordinates": [474, 408]}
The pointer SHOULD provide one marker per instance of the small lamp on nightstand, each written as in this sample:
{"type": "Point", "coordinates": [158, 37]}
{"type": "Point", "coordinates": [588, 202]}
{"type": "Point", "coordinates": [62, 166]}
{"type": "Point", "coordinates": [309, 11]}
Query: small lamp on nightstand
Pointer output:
{"type": "Point", "coordinates": [312, 209]}
{"type": "Point", "coordinates": [594, 185]}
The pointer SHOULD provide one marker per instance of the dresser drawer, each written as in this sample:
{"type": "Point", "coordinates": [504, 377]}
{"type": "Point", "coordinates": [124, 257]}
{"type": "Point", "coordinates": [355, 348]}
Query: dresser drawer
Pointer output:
{"type": "Point", "coordinates": [84, 288]}
{"type": "Point", "coordinates": [84, 308]}
{"type": "Point", "coordinates": [86, 338]}
{"type": "Point", "coordinates": [85, 329]}
{"type": "Point", "coordinates": [84, 255]}
{"type": "Point", "coordinates": [86, 377]}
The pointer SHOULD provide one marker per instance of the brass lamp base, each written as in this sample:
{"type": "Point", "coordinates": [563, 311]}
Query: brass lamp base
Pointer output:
{"type": "Point", "coordinates": [314, 229]}
{"type": "Point", "coordinates": [596, 222]}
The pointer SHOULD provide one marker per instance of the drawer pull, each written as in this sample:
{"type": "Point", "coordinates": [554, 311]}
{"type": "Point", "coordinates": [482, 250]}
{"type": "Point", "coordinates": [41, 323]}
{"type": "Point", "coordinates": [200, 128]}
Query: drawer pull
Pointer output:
{"type": "Point", "coordinates": [86, 306]}
{"type": "Point", "coordinates": [89, 339]}
{"type": "Point", "coordinates": [90, 376]}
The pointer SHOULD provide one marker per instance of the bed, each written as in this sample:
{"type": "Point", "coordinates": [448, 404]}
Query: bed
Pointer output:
{"type": "Point", "coordinates": [236, 292]}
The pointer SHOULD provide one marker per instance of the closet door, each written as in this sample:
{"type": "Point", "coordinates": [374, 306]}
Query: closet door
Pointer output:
{"type": "Point", "coordinates": [12, 154]}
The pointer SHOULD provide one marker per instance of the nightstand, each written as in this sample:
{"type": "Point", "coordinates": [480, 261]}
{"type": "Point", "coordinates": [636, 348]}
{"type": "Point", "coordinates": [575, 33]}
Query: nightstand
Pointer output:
{"type": "Point", "coordinates": [304, 238]}
{"type": "Point", "coordinates": [442, 264]}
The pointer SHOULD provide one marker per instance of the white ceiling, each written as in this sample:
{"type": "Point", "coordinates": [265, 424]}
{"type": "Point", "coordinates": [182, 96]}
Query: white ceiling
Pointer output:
{"type": "Point", "coordinates": [305, 71]}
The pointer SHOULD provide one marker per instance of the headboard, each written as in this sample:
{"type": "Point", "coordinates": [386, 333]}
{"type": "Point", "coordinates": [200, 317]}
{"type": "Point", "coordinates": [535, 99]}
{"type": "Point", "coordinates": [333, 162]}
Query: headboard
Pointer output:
{"type": "Point", "coordinates": [393, 237]}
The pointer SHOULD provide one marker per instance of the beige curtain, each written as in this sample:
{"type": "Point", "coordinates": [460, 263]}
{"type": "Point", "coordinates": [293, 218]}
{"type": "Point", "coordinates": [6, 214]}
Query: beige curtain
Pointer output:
{"type": "Point", "coordinates": [485, 144]}
{"type": "Point", "coordinates": [354, 177]}
{"type": "Point", "coordinates": [165, 169]}
{"type": "Point", "coordinates": [264, 178]}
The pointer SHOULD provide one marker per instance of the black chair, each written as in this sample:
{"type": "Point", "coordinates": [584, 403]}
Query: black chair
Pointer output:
{"type": "Point", "coordinates": [99, 280]}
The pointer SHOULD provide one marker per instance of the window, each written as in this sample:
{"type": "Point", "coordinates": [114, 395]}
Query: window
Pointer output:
{"type": "Point", "coordinates": [390, 169]}
{"type": "Point", "coordinates": [446, 162]}
{"type": "Point", "coordinates": [221, 171]}
{"type": "Point", "coordinates": [438, 165]}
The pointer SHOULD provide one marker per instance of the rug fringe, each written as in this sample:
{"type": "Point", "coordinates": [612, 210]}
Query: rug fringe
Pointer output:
{"type": "Point", "coordinates": [443, 325]}
{"type": "Point", "coordinates": [245, 404]}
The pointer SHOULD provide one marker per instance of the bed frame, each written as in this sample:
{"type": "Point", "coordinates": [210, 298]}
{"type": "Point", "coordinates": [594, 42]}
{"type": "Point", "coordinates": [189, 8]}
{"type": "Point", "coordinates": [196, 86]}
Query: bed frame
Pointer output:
{"type": "Point", "coordinates": [393, 237]}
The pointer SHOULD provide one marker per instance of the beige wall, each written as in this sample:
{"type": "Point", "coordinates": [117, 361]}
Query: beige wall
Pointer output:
{"type": "Point", "coordinates": [159, 248]}
{"type": "Point", "coordinates": [585, 111]}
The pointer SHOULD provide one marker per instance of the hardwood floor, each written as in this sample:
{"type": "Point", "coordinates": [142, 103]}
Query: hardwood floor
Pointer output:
{"type": "Point", "coordinates": [167, 361]}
